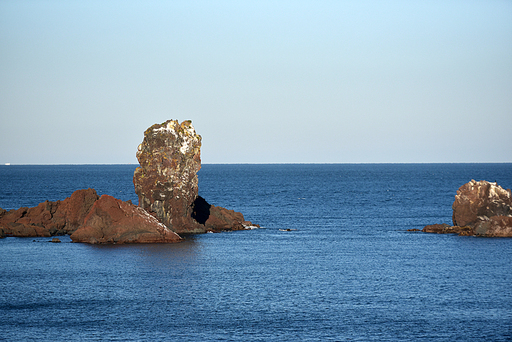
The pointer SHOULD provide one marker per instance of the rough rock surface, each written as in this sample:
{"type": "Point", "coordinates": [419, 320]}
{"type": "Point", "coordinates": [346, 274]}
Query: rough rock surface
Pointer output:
{"type": "Point", "coordinates": [166, 181]}
{"type": "Point", "coordinates": [481, 209]}
{"type": "Point", "coordinates": [476, 201]}
{"type": "Point", "coordinates": [49, 218]}
{"type": "Point", "coordinates": [494, 226]}
{"type": "Point", "coordinates": [112, 221]}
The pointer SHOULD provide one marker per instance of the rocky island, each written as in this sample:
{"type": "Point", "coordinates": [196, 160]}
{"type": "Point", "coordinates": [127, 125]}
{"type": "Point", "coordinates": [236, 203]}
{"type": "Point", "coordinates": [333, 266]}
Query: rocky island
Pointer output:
{"type": "Point", "coordinates": [480, 209]}
{"type": "Point", "coordinates": [166, 181]}
{"type": "Point", "coordinates": [167, 186]}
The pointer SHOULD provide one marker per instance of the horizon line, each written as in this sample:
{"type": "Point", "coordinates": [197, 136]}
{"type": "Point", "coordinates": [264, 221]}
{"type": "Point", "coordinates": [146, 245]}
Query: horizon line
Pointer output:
{"type": "Point", "coordinates": [263, 163]}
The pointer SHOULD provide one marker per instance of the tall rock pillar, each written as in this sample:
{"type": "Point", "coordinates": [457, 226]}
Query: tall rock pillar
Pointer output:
{"type": "Point", "coordinates": [166, 181]}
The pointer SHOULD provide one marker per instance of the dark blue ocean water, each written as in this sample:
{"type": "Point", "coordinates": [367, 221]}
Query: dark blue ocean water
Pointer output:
{"type": "Point", "coordinates": [349, 272]}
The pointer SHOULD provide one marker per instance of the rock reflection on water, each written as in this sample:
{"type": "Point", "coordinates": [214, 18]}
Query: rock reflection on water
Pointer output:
{"type": "Point", "coordinates": [153, 255]}
{"type": "Point", "coordinates": [167, 255]}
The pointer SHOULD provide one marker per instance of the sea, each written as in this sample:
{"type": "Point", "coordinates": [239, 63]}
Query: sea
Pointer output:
{"type": "Point", "coordinates": [332, 261]}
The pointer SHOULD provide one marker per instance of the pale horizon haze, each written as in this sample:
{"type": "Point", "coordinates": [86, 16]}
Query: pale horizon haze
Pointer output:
{"type": "Point", "coordinates": [262, 81]}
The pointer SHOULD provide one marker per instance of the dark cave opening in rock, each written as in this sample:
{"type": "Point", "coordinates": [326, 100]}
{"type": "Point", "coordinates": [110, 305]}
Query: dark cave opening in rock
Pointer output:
{"type": "Point", "coordinates": [200, 210]}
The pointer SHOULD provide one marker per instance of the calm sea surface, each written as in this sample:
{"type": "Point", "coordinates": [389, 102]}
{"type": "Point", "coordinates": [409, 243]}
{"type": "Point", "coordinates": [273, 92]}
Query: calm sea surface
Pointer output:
{"type": "Point", "coordinates": [349, 272]}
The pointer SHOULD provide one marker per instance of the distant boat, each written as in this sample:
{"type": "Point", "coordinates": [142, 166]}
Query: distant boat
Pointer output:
{"type": "Point", "coordinates": [7, 163]}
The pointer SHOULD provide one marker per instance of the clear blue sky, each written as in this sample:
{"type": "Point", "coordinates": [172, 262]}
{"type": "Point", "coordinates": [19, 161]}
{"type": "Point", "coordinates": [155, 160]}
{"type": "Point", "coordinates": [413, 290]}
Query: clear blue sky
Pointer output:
{"type": "Point", "coordinates": [262, 81]}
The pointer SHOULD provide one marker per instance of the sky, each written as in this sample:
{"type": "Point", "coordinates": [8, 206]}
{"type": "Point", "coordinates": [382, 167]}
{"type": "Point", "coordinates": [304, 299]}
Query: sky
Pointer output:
{"type": "Point", "coordinates": [262, 81]}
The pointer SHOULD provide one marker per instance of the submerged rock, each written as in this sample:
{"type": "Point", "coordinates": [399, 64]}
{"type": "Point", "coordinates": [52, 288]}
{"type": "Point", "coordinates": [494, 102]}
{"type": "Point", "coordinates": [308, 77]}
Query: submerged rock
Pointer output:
{"type": "Point", "coordinates": [481, 209]}
{"type": "Point", "coordinates": [447, 229]}
{"type": "Point", "coordinates": [167, 185]}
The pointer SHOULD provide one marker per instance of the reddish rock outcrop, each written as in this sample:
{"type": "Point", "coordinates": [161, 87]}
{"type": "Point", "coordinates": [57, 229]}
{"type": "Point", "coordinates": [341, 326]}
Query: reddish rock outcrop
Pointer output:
{"type": "Point", "coordinates": [71, 212]}
{"type": "Point", "coordinates": [481, 209]}
{"type": "Point", "coordinates": [49, 218]}
{"type": "Point", "coordinates": [2, 213]}
{"type": "Point", "coordinates": [221, 219]}
{"type": "Point", "coordinates": [112, 221]}
{"type": "Point", "coordinates": [87, 218]}
{"type": "Point", "coordinates": [166, 181]}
